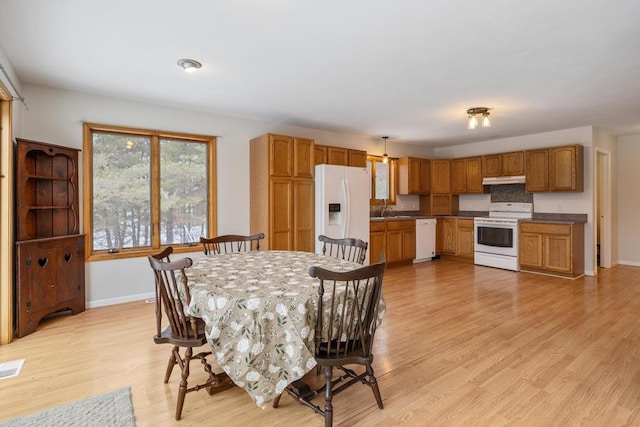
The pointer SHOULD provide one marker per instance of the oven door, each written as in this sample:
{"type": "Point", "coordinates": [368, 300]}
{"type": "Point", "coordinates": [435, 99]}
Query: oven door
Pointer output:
{"type": "Point", "coordinates": [495, 236]}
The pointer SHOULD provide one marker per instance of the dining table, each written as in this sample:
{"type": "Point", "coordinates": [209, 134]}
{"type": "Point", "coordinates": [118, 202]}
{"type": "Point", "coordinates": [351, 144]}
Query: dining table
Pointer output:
{"type": "Point", "coordinates": [259, 310]}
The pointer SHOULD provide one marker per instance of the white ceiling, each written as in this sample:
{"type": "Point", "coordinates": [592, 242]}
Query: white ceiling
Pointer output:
{"type": "Point", "coordinates": [405, 68]}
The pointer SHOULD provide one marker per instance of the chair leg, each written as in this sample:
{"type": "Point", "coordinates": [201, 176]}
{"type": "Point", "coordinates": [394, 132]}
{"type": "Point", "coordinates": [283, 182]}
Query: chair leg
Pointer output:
{"type": "Point", "coordinates": [171, 364]}
{"type": "Point", "coordinates": [182, 391]}
{"type": "Point", "coordinates": [328, 395]}
{"type": "Point", "coordinates": [276, 401]}
{"type": "Point", "coordinates": [374, 386]}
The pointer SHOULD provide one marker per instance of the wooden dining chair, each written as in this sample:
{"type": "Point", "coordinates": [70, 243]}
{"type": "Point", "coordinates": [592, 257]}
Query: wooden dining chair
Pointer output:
{"type": "Point", "coordinates": [349, 249]}
{"type": "Point", "coordinates": [349, 339]}
{"type": "Point", "coordinates": [182, 330]}
{"type": "Point", "coordinates": [231, 243]}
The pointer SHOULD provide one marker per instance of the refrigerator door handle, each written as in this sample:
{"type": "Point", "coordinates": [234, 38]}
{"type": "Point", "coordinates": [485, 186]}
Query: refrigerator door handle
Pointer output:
{"type": "Point", "coordinates": [347, 210]}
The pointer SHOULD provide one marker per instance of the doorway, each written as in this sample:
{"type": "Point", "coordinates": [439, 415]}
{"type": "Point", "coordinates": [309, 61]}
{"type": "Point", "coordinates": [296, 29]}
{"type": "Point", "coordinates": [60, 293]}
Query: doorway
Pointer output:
{"type": "Point", "coordinates": [603, 209]}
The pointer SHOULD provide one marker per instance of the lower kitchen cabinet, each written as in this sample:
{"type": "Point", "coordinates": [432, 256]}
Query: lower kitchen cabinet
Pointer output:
{"type": "Point", "coordinates": [465, 238]}
{"type": "Point", "coordinates": [396, 239]}
{"type": "Point", "coordinates": [456, 237]}
{"type": "Point", "coordinates": [552, 248]}
{"type": "Point", "coordinates": [377, 241]}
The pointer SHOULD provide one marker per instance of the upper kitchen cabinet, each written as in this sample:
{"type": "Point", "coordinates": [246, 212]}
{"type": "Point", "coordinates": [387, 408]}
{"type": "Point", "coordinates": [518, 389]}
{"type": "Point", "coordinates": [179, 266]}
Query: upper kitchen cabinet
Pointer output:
{"type": "Point", "coordinates": [555, 169]}
{"type": "Point", "coordinates": [282, 191]}
{"type": "Point", "coordinates": [441, 176]}
{"type": "Point", "coordinates": [320, 154]}
{"type": "Point", "coordinates": [503, 164]}
{"type": "Point", "coordinates": [439, 201]}
{"type": "Point", "coordinates": [328, 155]}
{"type": "Point", "coordinates": [357, 158]}
{"type": "Point", "coordinates": [466, 176]}
{"type": "Point", "coordinates": [537, 170]}
{"type": "Point", "coordinates": [414, 175]}
{"type": "Point", "coordinates": [566, 171]}
{"type": "Point", "coordinates": [337, 156]}
{"type": "Point", "coordinates": [513, 163]}
{"type": "Point", "coordinates": [289, 156]}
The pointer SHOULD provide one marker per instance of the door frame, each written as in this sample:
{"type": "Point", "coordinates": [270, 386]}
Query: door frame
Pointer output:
{"type": "Point", "coordinates": [6, 217]}
{"type": "Point", "coordinates": [602, 208]}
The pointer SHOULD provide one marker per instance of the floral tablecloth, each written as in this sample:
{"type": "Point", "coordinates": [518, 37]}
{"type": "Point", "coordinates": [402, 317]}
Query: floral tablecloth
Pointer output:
{"type": "Point", "coordinates": [260, 309]}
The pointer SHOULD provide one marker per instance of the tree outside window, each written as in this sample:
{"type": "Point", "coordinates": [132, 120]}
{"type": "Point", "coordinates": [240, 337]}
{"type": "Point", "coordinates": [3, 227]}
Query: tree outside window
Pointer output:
{"type": "Point", "coordinates": [147, 190]}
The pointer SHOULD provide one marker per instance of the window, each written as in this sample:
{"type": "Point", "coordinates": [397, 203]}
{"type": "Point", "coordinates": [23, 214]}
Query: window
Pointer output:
{"type": "Point", "coordinates": [383, 181]}
{"type": "Point", "coordinates": [146, 189]}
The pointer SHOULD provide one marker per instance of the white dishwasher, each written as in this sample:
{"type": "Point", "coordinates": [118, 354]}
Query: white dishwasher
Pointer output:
{"type": "Point", "coordinates": [425, 239]}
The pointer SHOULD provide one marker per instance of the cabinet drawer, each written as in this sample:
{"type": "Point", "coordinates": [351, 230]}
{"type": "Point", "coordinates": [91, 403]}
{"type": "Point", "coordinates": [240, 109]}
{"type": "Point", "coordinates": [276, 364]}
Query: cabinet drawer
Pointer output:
{"type": "Point", "coordinates": [377, 226]}
{"type": "Point", "coordinates": [401, 225]}
{"type": "Point", "coordinates": [533, 227]}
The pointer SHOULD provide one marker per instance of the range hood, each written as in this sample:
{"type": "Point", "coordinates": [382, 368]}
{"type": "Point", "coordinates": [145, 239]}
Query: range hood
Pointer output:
{"type": "Point", "coordinates": [519, 179]}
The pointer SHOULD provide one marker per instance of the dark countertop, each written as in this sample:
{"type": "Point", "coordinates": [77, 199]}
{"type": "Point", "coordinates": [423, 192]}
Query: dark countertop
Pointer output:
{"type": "Point", "coordinates": [557, 218]}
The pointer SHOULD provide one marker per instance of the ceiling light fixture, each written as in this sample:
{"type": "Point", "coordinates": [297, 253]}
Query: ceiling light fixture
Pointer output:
{"type": "Point", "coordinates": [385, 156]}
{"type": "Point", "coordinates": [189, 65]}
{"type": "Point", "coordinates": [472, 113]}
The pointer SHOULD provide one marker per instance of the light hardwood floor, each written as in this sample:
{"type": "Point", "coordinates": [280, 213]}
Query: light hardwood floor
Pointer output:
{"type": "Point", "coordinates": [460, 345]}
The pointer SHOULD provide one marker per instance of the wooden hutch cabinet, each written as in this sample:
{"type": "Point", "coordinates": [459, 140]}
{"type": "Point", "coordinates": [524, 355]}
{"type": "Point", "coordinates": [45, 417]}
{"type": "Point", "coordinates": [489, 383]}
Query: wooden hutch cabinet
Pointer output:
{"type": "Point", "coordinates": [49, 248]}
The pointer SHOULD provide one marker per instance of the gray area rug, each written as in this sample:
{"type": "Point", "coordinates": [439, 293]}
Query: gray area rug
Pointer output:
{"type": "Point", "coordinates": [109, 409]}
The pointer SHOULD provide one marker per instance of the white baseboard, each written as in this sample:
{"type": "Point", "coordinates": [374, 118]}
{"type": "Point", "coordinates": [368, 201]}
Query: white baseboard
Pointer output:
{"type": "Point", "coordinates": [119, 300]}
{"type": "Point", "coordinates": [631, 263]}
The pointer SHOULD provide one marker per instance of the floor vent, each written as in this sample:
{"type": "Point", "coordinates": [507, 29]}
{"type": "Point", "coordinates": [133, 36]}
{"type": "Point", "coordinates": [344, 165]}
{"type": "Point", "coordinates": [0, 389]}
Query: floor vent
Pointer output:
{"type": "Point", "coordinates": [11, 369]}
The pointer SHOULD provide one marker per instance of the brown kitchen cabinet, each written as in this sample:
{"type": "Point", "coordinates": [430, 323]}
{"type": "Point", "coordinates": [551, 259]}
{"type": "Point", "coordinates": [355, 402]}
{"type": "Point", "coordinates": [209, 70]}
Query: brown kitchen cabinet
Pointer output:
{"type": "Point", "coordinates": [566, 168]}
{"type": "Point", "coordinates": [537, 170]}
{"type": "Point", "coordinates": [465, 238]}
{"type": "Point", "coordinates": [552, 248]}
{"type": "Point", "coordinates": [440, 201]}
{"type": "Point", "coordinates": [398, 243]}
{"type": "Point", "coordinates": [328, 155]}
{"type": "Point", "coordinates": [439, 236]}
{"type": "Point", "coordinates": [449, 236]}
{"type": "Point", "coordinates": [503, 164]}
{"type": "Point", "coordinates": [49, 249]}
{"type": "Point", "coordinates": [337, 156]}
{"type": "Point", "coordinates": [439, 204]}
{"type": "Point", "coordinates": [377, 241]}
{"type": "Point", "coordinates": [466, 176]}
{"type": "Point", "coordinates": [440, 176]}
{"type": "Point", "coordinates": [357, 158]}
{"type": "Point", "coordinates": [320, 154]}
{"type": "Point", "coordinates": [409, 175]}
{"type": "Point", "coordinates": [282, 191]}
{"type": "Point", "coordinates": [457, 236]}
{"type": "Point", "coordinates": [557, 169]}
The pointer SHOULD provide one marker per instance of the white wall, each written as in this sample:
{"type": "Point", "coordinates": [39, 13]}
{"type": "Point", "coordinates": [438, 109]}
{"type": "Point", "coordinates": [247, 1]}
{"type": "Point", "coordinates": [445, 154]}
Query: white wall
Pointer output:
{"type": "Point", "coordinates": [629, 200]}
{"type": "Point", "coordinates": [581, 203]}
{"type": "Point", "coordinates": [56, 116]}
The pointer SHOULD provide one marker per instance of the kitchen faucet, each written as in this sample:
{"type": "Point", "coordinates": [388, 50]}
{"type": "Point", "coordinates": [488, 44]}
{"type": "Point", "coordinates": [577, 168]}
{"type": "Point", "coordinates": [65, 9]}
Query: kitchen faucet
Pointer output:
{"type": "Point", "coordinates": [384, 207]}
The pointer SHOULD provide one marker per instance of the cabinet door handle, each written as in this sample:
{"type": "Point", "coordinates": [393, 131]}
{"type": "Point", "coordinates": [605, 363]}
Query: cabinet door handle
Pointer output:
{"type": "Point", "coordinates": [43, 261]}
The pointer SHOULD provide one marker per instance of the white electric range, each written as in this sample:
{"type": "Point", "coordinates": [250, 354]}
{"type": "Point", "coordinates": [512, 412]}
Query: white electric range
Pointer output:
{"type": "Point", "coordinates": [496, 236]}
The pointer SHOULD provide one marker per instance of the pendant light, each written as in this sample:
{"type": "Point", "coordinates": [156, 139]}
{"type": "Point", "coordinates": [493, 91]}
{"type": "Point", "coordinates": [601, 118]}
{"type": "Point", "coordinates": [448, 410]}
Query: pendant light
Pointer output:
{"type": "Point", "coordinates": [385, 156]}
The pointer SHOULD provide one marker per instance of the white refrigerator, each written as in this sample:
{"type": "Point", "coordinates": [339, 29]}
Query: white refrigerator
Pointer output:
{"type": "Point", "coordinates": [342, 203]}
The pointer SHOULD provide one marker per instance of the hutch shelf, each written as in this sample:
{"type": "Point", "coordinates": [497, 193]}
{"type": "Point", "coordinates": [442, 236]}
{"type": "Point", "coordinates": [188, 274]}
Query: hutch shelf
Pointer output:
{"type": "Point", "coordinates": [49, 248]}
